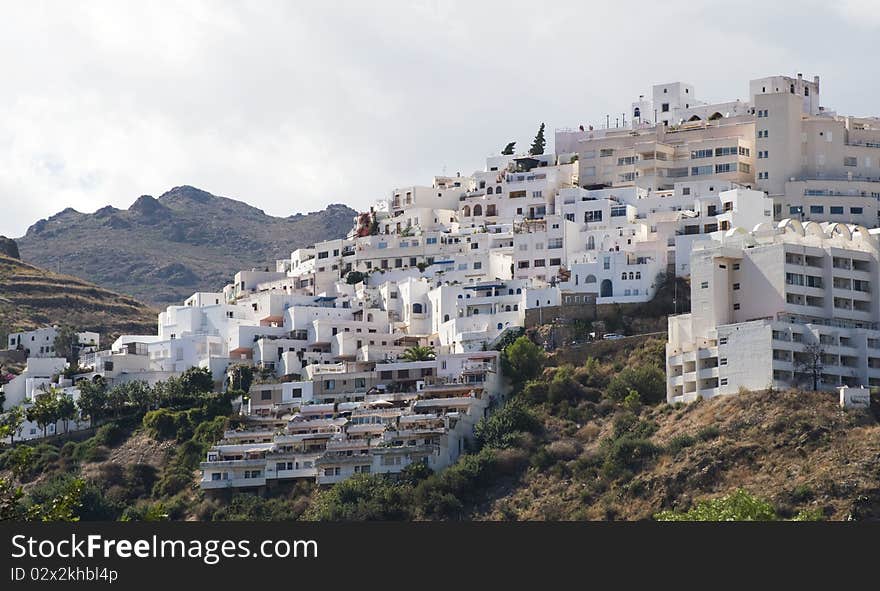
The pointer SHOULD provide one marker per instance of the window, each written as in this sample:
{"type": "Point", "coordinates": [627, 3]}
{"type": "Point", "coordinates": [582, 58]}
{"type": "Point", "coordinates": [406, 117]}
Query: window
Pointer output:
{"type": "Point", "coordinates": [665, 106]}
{"type": "Point", "coordinates": [855, 210]}
{"type": "Point", "coordinates": [593, 216]}
{"type": "Point", "coordinates": [701, 170]}
{"type": "Point", "coordinates": [540, 263]}
{"type": "Point", "coordinates": [725, 167]}
{"type": "Point", "coordinates": [836, 210]}
{"type": "Point", "coordinates": [704, 285]}
{"type": "Point", "coordinates": [555, 262]}
{"type": "Point", "coordinates": [722, 382]}
{"type": "Point", "coordinates": [850, 161]}
{"type": "Point", "coordinates": [794, 279]}
{"type": "Point", "coordinates": [817, 209]}
{"type": "Point", "coordinates": [736, 287]}
{"type": "Point", "coordinates": [618, 211]}
{"type": "Point", "coordinates": [722, 341]}
{"type": "Point", "coordinates": [266, 395]}
{"type": "Point", "coordinates": [727, 151]}
{"type": "Point", "coordinates": [736, 306]}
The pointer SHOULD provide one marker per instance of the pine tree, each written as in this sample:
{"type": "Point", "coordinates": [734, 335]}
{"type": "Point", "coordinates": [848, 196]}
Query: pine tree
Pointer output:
{"type": "Point", "coordinates": [538, 145]}
{"type": "Point", "coordinates": [508, 149]}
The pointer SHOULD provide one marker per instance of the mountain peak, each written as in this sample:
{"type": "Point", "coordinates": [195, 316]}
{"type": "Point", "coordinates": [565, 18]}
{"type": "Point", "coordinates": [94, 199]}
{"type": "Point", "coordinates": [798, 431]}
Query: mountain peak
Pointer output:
{"type": "Point", "coordinates": [148, 206]}
{"type": "Point", "coordinates": [189, 193]}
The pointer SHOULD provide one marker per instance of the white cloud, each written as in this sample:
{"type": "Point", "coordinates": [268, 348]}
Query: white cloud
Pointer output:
{"type": "Point", "coordinates": [290, 107]}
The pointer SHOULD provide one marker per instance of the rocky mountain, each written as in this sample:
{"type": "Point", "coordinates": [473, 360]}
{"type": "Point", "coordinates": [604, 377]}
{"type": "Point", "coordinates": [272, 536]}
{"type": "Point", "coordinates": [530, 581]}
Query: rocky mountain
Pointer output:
{"type": "Point", "coordinates": [161, 250]}
{"type": "Point", "coordinates": [8, 247]}
{"type": "Point", "coordinates": [31, 297]}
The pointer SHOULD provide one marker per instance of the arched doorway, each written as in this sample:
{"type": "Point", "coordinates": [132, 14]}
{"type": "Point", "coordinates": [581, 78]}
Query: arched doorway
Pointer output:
{"type": "Point", "coordinates": [606, 290]}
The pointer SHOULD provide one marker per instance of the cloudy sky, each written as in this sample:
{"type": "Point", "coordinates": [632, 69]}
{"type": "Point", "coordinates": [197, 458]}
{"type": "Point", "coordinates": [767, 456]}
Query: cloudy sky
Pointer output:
{"type": "Point", "coordinates": [293, 105]}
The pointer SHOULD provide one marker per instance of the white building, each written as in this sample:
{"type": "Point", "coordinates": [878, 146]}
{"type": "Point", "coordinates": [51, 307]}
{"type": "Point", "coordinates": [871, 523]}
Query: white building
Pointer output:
{"type": "Point", "coordinates": [762, 301]}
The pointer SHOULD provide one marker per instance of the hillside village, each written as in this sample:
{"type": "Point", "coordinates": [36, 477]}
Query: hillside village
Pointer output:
{"type": "Point", "coordinates": [391, 349]}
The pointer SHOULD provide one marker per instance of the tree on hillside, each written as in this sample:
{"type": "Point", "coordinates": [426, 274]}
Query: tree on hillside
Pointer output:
{"type": "Point", "coordinates": [67, 344]}
{"type": "Point", "coordinates": [66, 409]}
{"type": "Point", "coordinates": [10, 423]}
{"type": "Point", "coordinates": [809, 361]}
{"type": "Point", "coordinates": [93, 400]}
{"type": "Point", "coordinates": [197, 380]}
{"type": "Point", "coordinates": [523, 360]}
{"type": "Point", "coordinates": [240, 377]}
{"type": "Point", "coordinates": [44, 411]}
{"type": "Point", "coordinates": [508, 149]}
{"type": "Point", "coordinates": [539, 143]}
{"type": "Point", "coordinates": [418, 353]}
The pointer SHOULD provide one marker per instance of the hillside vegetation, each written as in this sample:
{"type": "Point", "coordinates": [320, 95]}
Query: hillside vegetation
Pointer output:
{"type": "Point", "coordinates": [592, 440]}
{"type": "Point", "coordinates": [31, 297]}
{"type": "Point", "coordinates": [163, 250]}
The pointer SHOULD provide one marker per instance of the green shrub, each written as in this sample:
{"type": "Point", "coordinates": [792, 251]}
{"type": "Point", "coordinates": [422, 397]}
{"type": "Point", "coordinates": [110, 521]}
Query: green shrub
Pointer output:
{"type": "Point", "coordinates": [679, 442]}
{"type": "Point", "coordinates": [502, 428]}
{"type": "Point", "coordinates": [736, 506]}
{"type": "Point", "coordinates": [648, 380]}
{"type": "Point", "coordinates": [626, 454]}
{"type": "Point", "coordinates": [708, 433]}
{"type": "Point", "coordinates": [168, 424]}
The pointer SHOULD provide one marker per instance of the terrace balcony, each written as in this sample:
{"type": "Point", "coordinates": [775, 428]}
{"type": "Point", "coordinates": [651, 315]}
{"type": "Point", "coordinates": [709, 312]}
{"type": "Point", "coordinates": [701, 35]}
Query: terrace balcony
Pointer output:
{"type": "Point", "coordinates": [233, 483]}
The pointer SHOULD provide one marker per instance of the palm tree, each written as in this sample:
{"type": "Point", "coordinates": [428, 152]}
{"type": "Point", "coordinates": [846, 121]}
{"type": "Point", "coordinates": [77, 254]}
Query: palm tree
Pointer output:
{"type": "Point", "coordinates": [418, 353]}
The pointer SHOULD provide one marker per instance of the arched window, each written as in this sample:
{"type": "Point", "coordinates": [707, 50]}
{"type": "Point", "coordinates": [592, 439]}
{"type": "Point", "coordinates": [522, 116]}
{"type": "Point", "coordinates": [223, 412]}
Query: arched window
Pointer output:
{"type": "Point", "coordinates": [510, 291]}
{"type": "Point", "coordinates": [637, 112]}
{"type": "Point", "coordinates": [590, 279]}
{"type": "Point", "coordinates": [467, 211]}
{"type": "Point", "coordinates": [369, 317]}
{"type": "Point", "coordinates": [516, 307]}
{"type": "Point", "coordinates": [476, 311]}
{"type": "Point", "coordinates": [500, 326]}
{"type": "Point", "coordinates": [638, 274]}
{"type": "Point", "coordinates": [607, 289]}
{"type": "Point", "coordinates": [507, 308]}
{"type": "Point", "coordinates": [489, 191]}
{"type": "Point", "coordinates": [460, 296]}
{"type": "Point", "coordinates": [518, 291]}
{"type": "Point", "coordinates": [478, 210]}
{"type": "Point", "coordinates": [498, 190]}
{"type": "Point", "coordinates": [715, 116]}
{"type": "Point", "coordinates": [446, 318]}
{"type": "Point", "coordinates": [417, 308]}
{"type": "Point", "coordinates": [632, 275]}
{"type": "Point", "coordinates": [490, 210]}
{"type": "Point", "coordinates": [623, 276]}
